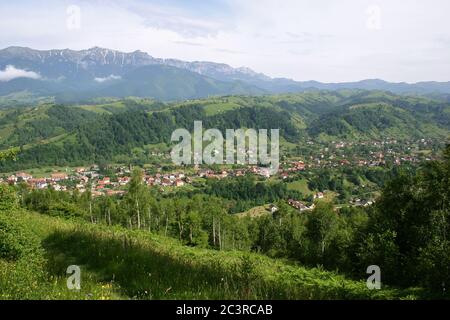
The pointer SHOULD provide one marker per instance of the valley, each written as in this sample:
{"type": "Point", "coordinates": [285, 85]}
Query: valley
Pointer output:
{"type": "Point", "coordinates": [206, 159]}
{"type": "Point", "coordinates": [102, 172]}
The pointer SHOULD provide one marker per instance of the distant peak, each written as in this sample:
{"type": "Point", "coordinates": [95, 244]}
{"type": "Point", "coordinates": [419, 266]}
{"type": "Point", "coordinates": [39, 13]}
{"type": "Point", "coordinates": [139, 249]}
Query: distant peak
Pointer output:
{"type": "Point", "coordinates": [140, 53]}
{"type": "Point", "coordinates": [17, 48]}
{"type": "Point", "coordinates": [97, 49]}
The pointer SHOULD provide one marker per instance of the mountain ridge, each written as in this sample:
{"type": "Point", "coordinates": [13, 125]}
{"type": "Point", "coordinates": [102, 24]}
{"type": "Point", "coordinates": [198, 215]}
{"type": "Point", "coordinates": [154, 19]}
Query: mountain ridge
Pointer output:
{"type": "Point", "coordinates": [85, 74]}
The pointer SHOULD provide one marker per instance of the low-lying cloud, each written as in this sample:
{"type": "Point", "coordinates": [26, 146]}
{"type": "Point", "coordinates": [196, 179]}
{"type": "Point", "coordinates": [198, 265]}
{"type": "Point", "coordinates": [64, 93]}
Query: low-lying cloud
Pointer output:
{"type": "Point", "coordinates": [12, 72]}
{"type": "Point", "coordinates": [108, 78]}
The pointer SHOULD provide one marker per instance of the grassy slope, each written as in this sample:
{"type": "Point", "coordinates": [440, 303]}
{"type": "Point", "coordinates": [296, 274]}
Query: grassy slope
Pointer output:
{"type": "Point", "coordinates": [255, 212]}
{"type": "Point", "coordinates": [21, 120]}
{"type": "Point", "coordinates": [299, 185]}
{"type": "Point", "coordinates": [121, 264]}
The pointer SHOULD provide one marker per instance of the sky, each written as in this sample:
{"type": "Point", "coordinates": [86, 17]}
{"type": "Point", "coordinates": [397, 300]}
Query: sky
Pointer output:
{"type": "Point", "coordinates": [323, 40]}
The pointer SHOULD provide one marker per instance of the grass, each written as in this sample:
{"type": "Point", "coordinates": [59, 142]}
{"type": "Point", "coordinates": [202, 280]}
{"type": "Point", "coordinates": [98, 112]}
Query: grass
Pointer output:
{"type": "Point", "coordinates": [255, 212]}
{"type": "Point", "coordinates": [29, 277]}
{"type": "Point", "coordinates": [108, 108]}
{"type": "Point", "coordinates": [121, 264]}
{"type": "Point", "coordinates": [300, 185]}
{"type": "Point", "coordinates": [216, 108]}
{"type": "Point", "coordinates": [42, 172]}
{"type": "Point", "coordinates": [329, 196]}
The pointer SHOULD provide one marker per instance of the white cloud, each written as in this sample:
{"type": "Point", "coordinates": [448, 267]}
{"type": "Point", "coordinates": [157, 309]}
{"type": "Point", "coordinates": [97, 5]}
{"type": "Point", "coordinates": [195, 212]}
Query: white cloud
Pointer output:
{"type": "Point", "coordinates": [323, 40]}
{"type": "Point", "coordinates": [12, 72]}
{"type": "Point", "coordinates": [108, 78]}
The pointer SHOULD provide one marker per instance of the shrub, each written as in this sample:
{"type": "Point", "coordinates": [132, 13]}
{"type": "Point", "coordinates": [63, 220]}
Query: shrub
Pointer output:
{"type": "Point", "coordinates": [16, 240]}
{"type": "Point", "coordinates": [8, 198]}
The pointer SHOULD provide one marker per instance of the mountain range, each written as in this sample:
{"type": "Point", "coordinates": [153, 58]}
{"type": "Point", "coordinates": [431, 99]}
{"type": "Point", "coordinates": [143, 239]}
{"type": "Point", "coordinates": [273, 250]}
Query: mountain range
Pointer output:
{"type": "Point", "coordinates": [74, 76]}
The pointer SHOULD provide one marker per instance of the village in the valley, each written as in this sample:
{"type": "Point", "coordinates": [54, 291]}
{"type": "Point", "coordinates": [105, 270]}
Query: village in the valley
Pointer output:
{"type": "Point", "coordinates": [94, 179]}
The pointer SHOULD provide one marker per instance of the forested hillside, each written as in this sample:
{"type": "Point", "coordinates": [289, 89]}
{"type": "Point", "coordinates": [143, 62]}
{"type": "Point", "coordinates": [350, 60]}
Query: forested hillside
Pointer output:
{"type": "Point", "coordinates": [71, 135]}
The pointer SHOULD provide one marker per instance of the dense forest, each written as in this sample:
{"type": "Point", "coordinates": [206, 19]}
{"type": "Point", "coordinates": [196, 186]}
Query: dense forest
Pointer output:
{"type": "Point", "coordinates": [99, 138]}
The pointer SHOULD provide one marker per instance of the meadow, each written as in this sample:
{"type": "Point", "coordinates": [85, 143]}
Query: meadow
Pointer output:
{"type": "Point", "coordinates": [116, 263]}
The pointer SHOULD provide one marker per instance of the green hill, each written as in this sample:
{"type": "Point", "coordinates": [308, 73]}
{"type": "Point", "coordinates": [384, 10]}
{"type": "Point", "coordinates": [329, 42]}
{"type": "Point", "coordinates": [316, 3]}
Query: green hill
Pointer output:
{"type": "Point", "coordinates": [108, 128]}
{"type": "Point", "coordinates": [35, 251]}
{"type": "Point", "coordinates": [376, 121]}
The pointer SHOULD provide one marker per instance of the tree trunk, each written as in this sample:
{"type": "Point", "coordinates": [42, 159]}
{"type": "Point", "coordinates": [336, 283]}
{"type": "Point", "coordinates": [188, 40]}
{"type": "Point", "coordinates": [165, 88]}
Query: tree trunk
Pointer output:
{"type": "Point", "coordinates": [149, 220]}
{"type": "Point", "coordinates": [138, 215]}
{"type": "Point", "coordinates": [90, 211]}
{"type": "Point", "coordinates": [214, 232]}
{"type": "Point", "coordinates": [167, 224]}
{"type": "Point", "coordinates": [220, 238]}
{"type": "Point", "coordinates": [223, 240]}
{"type": "Point", "coordinates": [180, 230]}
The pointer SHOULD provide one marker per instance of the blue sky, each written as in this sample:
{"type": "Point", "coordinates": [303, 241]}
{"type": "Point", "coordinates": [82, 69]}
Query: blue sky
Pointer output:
{"type": "Point", "coordinates": [324, 40]}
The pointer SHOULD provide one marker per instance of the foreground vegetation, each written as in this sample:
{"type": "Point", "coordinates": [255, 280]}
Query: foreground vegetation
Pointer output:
{"type": "Point", "coordinates": [122, 264]}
